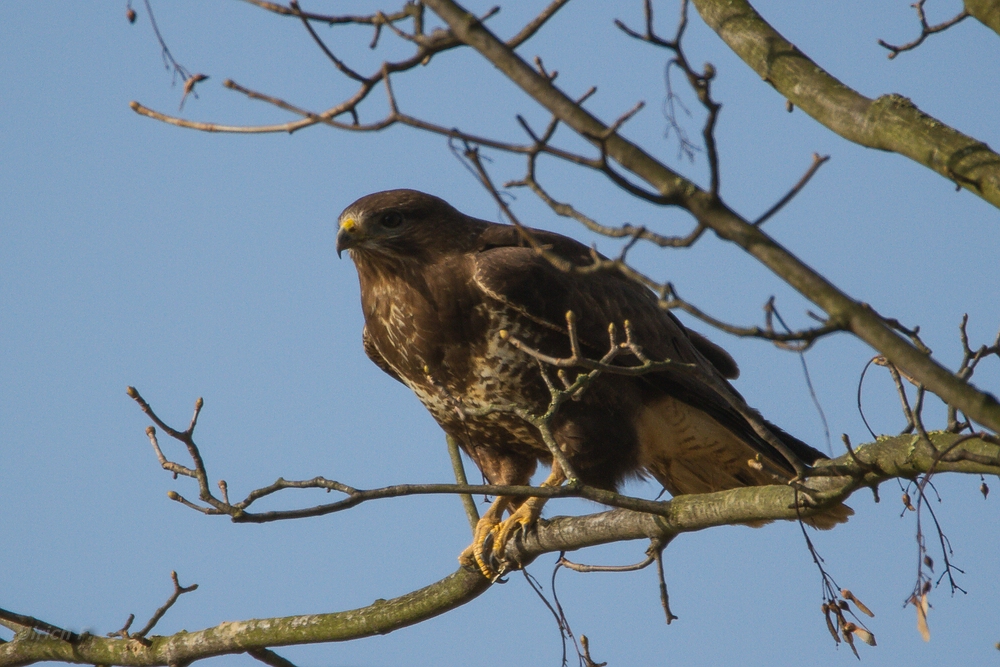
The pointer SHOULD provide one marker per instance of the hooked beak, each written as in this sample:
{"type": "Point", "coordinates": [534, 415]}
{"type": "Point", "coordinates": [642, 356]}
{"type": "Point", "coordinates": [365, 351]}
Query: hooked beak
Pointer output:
{"type": "Point", "coordinates": [345, 238]}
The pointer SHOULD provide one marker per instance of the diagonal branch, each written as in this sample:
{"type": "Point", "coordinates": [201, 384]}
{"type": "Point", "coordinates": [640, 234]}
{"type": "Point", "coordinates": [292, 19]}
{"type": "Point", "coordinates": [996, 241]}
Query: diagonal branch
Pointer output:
{"type": "Point", "coordinates": [858, 317]}
{"type": "Point", "coordinates": [891, 122]}
{"type": "Point", "coordinates": [817, 162]}
{"type": "Point", "coordinates": [337, 62]}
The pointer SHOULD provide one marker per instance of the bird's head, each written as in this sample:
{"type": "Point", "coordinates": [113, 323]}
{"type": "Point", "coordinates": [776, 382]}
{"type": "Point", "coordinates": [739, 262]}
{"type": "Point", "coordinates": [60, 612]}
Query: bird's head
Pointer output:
{"type": "Point", "coordinates": [402, 224]}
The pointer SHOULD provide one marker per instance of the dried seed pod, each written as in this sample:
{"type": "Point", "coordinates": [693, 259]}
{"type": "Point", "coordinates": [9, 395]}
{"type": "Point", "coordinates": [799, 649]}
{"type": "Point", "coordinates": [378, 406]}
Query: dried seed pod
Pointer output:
{"type": "Point", "coordinates": [848, 595]}
{"type": "Point", "coordinates": [929, 562]}
{"type": "Point", "coordinates": [922, 626]}
{"type": "Point", "coordinates": [864, 636]}
{"type": "Point", "coordinates": [849, 638]}
{"type": "Point", "coordinates": [829, 624]}
{"type": "Point", "coordinates": [191, 81]}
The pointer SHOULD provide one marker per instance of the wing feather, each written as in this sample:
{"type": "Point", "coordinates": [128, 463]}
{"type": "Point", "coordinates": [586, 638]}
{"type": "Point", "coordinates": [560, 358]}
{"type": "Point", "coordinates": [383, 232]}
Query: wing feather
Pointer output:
{"type": "Point", "coordinates": [522, 279]}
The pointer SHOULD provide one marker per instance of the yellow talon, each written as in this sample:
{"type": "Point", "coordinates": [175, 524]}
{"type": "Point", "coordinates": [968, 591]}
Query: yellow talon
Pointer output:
{"type": "Point", "coordinates": [482, 553]}
{"type": "Point", "coordinates": [475, 555]}
{"type": "Point", "coordinates": [523, 518]}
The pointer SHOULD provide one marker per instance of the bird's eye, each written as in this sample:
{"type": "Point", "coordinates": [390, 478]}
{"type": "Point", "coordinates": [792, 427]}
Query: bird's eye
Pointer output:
{"type": "Point", "coordinates": [391, 219]}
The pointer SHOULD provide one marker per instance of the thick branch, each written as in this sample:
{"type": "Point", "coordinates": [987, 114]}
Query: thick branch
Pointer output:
{"type": "Point", "coordinates": [890, 123]}
{"type": "Point", "coordinates": [986, 12]}
{"type": "Point", "coordinates": [901, 456]}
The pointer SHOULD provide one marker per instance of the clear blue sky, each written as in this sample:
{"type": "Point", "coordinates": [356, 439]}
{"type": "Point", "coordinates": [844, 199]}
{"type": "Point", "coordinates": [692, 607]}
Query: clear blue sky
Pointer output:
{"type": "Point", "coordinates": [191, 264]}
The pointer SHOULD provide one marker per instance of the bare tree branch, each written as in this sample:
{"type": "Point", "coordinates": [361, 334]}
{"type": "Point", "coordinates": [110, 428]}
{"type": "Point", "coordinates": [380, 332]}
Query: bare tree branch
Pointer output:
{"type": "Point", "coordinates": [843, 311]}
{"type": "Point", "coordinates": [926, 30]}
{"type": "Point", "coordinates": [817, 162]}
{"type": "Point", "coordinates": [890, 122]}
{"type": "Point", "coordinates": [886, 459]}
{"type": "Point", "coordinates": [456, 463]}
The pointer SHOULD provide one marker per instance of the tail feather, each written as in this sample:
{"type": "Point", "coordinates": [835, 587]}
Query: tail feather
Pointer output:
{"type": "Point", "coordinates": [829, 517]}
{"type": "Point", "coordinates": [688, 451]}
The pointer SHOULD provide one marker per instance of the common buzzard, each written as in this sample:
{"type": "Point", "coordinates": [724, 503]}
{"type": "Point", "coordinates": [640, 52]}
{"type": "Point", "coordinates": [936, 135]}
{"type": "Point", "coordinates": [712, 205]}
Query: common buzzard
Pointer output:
{"type": "Point", "coordinates": [442, 295]}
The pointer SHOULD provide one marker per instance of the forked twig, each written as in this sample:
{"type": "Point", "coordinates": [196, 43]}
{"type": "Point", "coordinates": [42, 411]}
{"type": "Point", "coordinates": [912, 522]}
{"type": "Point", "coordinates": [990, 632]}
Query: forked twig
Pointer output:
{"type": "Point", "coordinates": [926, 30]}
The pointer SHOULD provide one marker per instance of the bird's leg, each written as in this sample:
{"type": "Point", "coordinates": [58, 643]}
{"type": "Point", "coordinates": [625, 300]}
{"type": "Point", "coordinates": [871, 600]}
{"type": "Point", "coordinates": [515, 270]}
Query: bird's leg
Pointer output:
{"type": "Point", "coordinates": [526, 515]}
{"type": "Point", "coordinates": [474, 554]}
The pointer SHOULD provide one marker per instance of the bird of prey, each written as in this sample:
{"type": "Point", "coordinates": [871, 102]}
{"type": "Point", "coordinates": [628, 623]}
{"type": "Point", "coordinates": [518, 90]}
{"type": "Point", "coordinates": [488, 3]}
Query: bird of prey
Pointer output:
{"type": "Point", "coordinates": [443, 294]}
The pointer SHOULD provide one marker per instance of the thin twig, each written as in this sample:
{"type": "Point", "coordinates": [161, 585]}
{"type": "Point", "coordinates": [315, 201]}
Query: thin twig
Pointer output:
{"type": "Point", "coordinates": [818, 161]}
{"type": "Point", "coordinates": [657, 553]}
{"type": "Point", "coordinates": [772, 310]}
{"type": "Point", "coordinates": [238, 511]}
{"type": "Point", "coordinates": [168, 58]}
{"type": "Point", "coordinates": [459, 469]}
{"type": "Point", "coordinates": [337, 62]}
{"type": "Point", "coordinates": [700, 82]}
{"type": "Point", "coordinates": [926, 30]}
{"type": "Point", "coordinates": [331, 19]}
{"type": "Point", "coordinates": [580, 567]}
{"type": "Point", "coordinates": [155, 618]}
{"type": "Point", "coordinates": [529, 30]}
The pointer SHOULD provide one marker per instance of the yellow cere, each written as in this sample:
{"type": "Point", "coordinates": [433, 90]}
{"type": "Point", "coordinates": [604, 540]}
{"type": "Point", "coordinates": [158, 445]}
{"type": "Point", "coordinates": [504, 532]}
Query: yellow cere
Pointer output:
{"type": "Point", "coordinates": [348, 224]}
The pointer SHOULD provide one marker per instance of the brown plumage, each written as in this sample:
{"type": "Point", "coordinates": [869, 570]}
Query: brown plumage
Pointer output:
{"type": "Point", "coordinates": [437, 287]}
